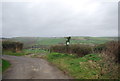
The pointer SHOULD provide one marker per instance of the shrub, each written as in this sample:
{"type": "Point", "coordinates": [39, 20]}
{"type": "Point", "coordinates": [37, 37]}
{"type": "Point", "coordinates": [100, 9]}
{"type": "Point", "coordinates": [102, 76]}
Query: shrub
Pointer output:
{"type": "Point", "coordinates": [12, 46]}
{"type": "Point", "coordinates": [99, 48]}
{"type": "Point", "coordinates": [58, 48]}
{"type": "Point", "coordinates": [79, 50]}
{"type": "Point", "coordinates": [113, 50]}
{"type": "Point", "coordinates": [110, 63]}
{"type": "Point", "coordinates": [108, 67]}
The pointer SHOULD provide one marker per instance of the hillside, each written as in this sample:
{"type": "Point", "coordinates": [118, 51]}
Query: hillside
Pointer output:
{"type": "Point", "coordinates": [47, 41]}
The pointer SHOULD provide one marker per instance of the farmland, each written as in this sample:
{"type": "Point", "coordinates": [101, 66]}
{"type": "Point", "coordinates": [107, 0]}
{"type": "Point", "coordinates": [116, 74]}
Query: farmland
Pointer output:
{"type": "Point", "coordinates": [47, 41]}
{"type": "Point", "coordinates": [84, 58]}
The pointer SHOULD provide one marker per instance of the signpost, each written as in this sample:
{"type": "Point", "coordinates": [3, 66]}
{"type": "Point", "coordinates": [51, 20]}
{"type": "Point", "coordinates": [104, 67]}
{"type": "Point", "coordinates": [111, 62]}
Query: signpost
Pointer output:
{"type": "Point", "coordinates": [68, 41]}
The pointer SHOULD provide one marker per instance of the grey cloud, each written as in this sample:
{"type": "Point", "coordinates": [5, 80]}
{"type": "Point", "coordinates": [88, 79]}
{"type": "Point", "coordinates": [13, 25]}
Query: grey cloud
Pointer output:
{"type": "Point", "coordinates": [52, 18]}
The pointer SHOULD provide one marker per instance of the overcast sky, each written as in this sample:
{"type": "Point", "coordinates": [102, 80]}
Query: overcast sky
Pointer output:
{"type": "Point", "coordinates": [56, 18]}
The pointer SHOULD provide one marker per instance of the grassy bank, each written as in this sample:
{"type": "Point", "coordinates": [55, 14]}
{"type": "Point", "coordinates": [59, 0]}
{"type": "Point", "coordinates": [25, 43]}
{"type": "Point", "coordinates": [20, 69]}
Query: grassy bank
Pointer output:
{"type": "Point", "coordinates": [5, 65]}
{"type": "Point", "coordinates": [35, 51]}
{"type": "Point", "coordinates": [14, 53]}
{"type": "Point", "coordinates": [25, 52]}
{"type": "Point", "coordinates": [87, 67]}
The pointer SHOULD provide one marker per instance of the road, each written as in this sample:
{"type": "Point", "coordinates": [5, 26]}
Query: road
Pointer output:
{"type": "Point", "coordinates": [31, 68]}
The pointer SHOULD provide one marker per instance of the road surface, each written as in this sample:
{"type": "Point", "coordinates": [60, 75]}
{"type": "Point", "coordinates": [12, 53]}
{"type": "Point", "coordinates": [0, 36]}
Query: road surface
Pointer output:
{"type": "Point", "coordinates": [31, 68]}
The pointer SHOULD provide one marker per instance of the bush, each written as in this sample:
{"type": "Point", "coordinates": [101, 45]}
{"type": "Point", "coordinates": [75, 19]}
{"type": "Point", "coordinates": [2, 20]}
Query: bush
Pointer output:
{"type": "Point", "coordinates": [99, 48]}
{"type": "Point", "coordinates": [12, 46]}
{"type": "Point", "coordinates": [113, 51]}
{"type": "Point", "coordinates": [58, 48]}
{"type": "Point", "coordinates": [79, 50]}
{"type": "Point", "coordinates": [110, 63]}
{"type": "Point", "coordinates": [110, 49]}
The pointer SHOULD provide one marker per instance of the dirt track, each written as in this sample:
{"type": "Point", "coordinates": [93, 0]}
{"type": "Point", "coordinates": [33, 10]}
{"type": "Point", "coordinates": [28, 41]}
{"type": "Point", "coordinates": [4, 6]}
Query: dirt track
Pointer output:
{"type": "Point", "coordinates": [31, 68]}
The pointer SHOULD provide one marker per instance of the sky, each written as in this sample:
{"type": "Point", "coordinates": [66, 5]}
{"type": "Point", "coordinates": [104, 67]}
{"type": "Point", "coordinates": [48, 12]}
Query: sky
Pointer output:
{"type": "Point", "coordinates": [59, 18]}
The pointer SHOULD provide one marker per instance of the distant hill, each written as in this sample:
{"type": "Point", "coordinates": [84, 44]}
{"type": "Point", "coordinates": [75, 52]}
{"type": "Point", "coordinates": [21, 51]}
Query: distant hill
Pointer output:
{"type": "Point", "coordinates": [47, 41]}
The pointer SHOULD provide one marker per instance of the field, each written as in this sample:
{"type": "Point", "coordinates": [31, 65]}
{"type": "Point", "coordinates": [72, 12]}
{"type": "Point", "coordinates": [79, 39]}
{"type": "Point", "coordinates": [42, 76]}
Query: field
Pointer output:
{"type": "Point", "coordinates": [48, 41]}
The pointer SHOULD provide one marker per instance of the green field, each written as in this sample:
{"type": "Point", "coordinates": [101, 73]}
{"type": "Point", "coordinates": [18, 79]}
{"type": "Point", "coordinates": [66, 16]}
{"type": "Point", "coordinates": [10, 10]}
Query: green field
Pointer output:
{"type": "Point", "coordinates": [47, 41]}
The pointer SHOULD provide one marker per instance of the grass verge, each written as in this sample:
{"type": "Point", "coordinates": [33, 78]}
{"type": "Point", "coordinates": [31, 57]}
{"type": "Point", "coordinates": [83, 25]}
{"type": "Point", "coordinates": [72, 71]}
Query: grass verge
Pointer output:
{"type": "Point", "coordinates": [80, 68]}
{"type": "Point", "coordinates": [87, 67]}
{"type": "Point", "coordinates": [26, 52]}
{"type": "Point", "coordinates": [34, 51]}
{"type": "Point", "coordinates": [5, 65]}
{"type": "Point", "coordinates": [14, 53]}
